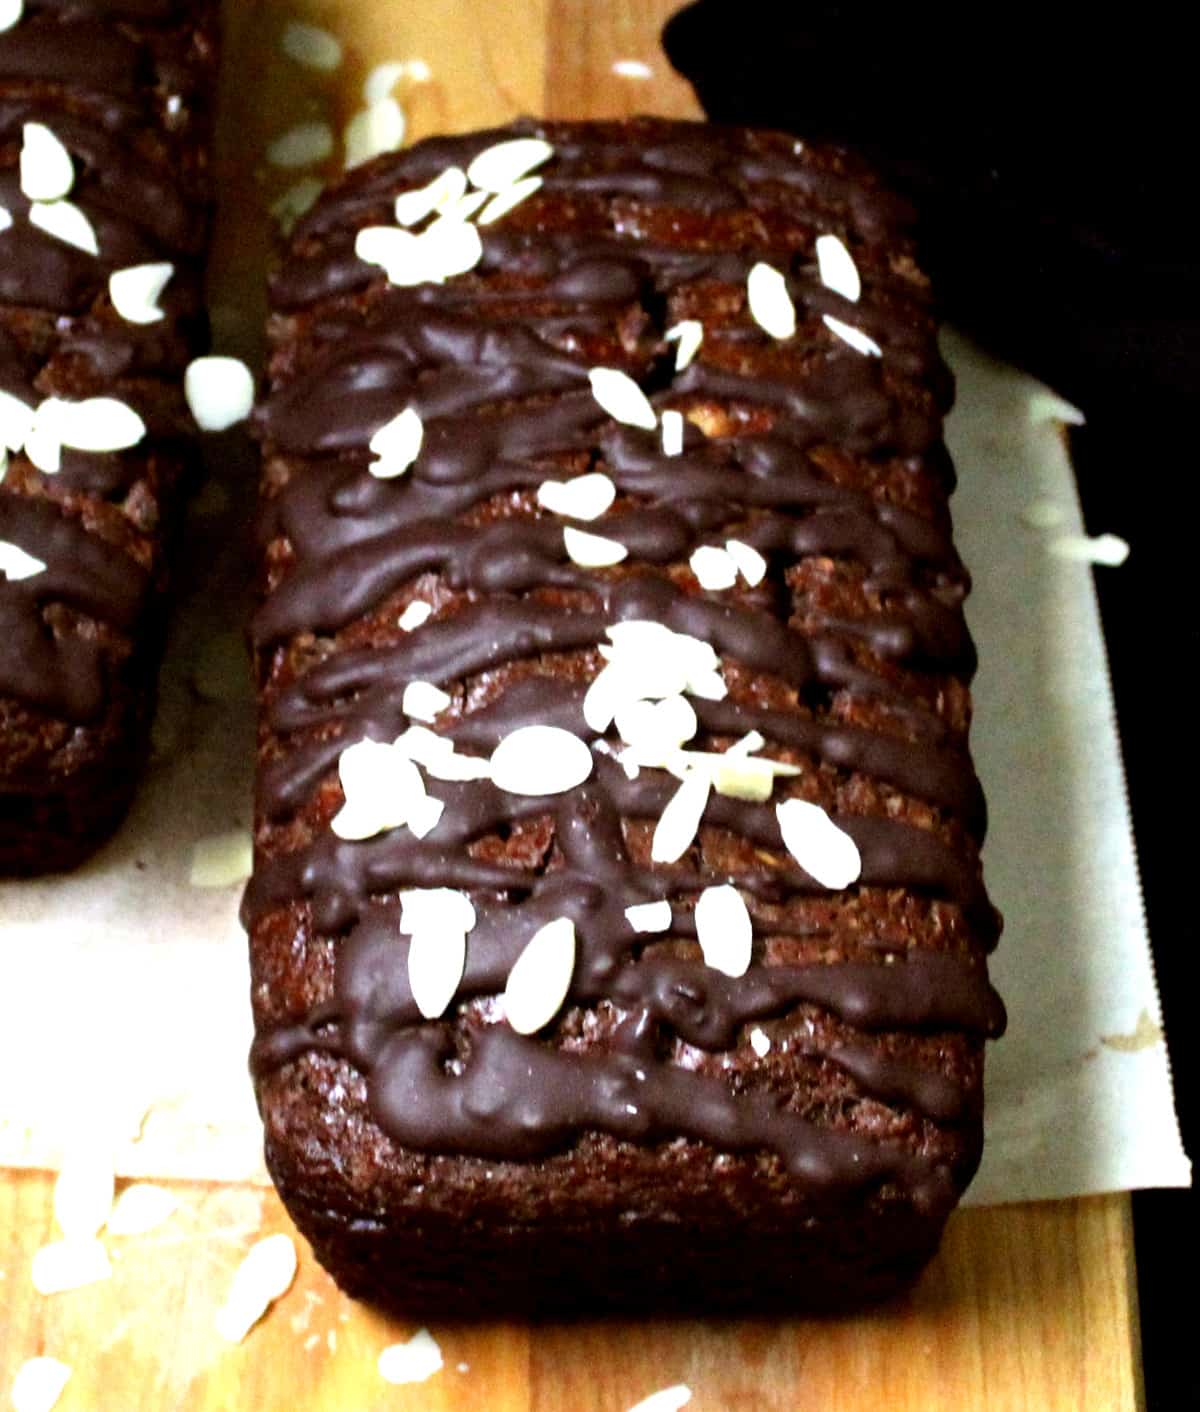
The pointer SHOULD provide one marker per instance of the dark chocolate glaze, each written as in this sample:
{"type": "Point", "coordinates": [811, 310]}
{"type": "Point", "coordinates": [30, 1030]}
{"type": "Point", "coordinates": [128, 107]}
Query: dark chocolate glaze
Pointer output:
{"type": "Point", "coordinates": [495, 365]}
{"type": "Point", "coordinates": [98, 73]}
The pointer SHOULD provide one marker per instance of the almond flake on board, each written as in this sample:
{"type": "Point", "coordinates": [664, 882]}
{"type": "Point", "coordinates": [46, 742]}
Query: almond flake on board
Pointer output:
{"type": "Point", "coordinates": [632, 68]}
{"type": "Point", "coordinates": [311, 46]}
{"type": "Point", "coordinates": [377, 128]}
{"type": "Point", "coordinates": [141, 1208]}
{"type": "Point", "coordinates": [39, 1382]}
{"type": "Point", "coordinates": [668, 1399]}
{"type": "Point", "coordinates": [414, 1361]}
{"type": "Point", "coordinates": [672, 433]}
{"type": "Point", "coordinates": [69, 1264]}
{"type": "Point", "coordinates": [265, 1274]}
{"type": "Point", "coordinates": [295, 202]}
{"type": "Point", "coordinates": [83, 1190]}
{"type": "Point", "coordinates": [382, 79]}
{"type": "Point", "coordinates": [303, 145]}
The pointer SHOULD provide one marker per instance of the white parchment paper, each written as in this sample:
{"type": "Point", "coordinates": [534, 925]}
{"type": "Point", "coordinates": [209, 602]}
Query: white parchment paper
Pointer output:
{"type": "Point", "coordinates": [126, 987]}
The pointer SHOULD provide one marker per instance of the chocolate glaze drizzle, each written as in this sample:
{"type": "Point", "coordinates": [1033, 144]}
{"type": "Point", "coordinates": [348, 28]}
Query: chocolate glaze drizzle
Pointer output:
{"type": "Point", "coordinates": [632, 229]}
{"type": "Point", "coordinates": [125, 85]}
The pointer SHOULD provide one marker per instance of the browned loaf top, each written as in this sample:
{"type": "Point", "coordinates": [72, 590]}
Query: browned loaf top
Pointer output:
{"type": "Point", "coordinates": [105, 125]}
{"type": "Point", "coordinates": [617, 927]}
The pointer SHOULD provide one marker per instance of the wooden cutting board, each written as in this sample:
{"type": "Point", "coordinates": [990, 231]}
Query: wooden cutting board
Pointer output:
{"type": "Point", "coordinates": [1026, 1307]}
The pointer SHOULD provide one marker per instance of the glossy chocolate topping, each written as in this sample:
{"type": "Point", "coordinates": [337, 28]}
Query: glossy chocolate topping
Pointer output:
{"type": "Point", "coordinates": [845, 658]}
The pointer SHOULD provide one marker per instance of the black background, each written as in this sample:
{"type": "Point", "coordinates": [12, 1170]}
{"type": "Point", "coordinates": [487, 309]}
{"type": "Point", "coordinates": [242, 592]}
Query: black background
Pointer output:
{"type": "Point", "coordinates": [1052, 154]}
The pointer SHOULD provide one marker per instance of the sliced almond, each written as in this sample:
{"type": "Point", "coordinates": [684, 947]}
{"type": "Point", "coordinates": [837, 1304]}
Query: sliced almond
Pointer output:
{"type": "Point", "coordinates": [649, 916]}
{"type": "Point", "coordinates": [39, 1382]}
{"type": "Point", "coordinates": [837, 268]}
{"type": "Point", "coordinates": [592, 551]}
{"type": "Point", "coordinates": [47, 171]}
{"type": "Point", "coordinates": [679, 823]}
{"type": "Point", "coordinates": [498, 167]}
{"type": "Point", "coordinates": [585, 497]}
{"type": "Point", "coordinates": [16, 563]}
{"type": "Point", "coordinates": [83, 1190]}
{"type": "Point", "coordinates": [69, 1264]}
{"type": "Point", "coordinates": [770, 303]}
{"type": "Point", "coordinates": [622, 398]}
{"type": "Point", "coordinates": [311, 46]}
{"type": "Point", "coordinates": [66, 222]}
{"type": "Point", "coordinates": [715, 568]}
{"type": "Point", "coordinates": [859, 341]}
{"type": "Point", "coordinates": [135, 291]}
{"type": "Point", "coordinates": [412, 1362]}
{"type": "Point", "coordinates": [687, 335]}
{"type": "Point", "coordinates": [416, 613]}
{"type": "Point", "coordinates": [141, 1208]}
{"type": "Point", "coordinates": [541, 977]}
{"type": "Point", "coordinates": [372, 130]}
{"type": "Point", "coordinates": [435, 967]}
{"type": "Point", "coordinates": [423, 701]}
{"type": "Point", "coordinates": [724, 929]}
{"type": "Point", "coordinates": [537, 760]}
{"type": "Point", "coordinates": [264, 1275]}
{"type": "Point", "coordinates": [750, 563]}
{"type": "Point", "coordinates": [304, 145]}
{"type": "Point", "coordinates": [504, 201]}
{"type": "Point", "coordinates": [825, 852]}
{"type": "Point", "coordinates": [446, 188]}
{"type": "Point", "coordinates": [435, 909]}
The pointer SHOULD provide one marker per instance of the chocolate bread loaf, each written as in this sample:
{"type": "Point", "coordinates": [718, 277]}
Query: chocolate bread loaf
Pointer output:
{"type": "Point", "coordinates": [617, 927]}
{"type": "Point", "coordinates": [105, 125]}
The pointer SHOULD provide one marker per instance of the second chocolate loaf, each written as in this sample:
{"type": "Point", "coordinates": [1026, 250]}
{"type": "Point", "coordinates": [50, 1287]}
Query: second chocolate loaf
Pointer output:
{"type": "Point", "coordinates": [105, 130]}
{"type": "Point", "coordinates": [617, 927]}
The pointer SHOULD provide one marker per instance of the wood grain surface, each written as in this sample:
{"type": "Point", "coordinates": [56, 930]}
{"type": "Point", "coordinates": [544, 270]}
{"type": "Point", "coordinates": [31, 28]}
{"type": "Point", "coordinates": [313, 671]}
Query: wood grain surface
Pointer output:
{"type": "Point", "coordinates": [1027, 1307]}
